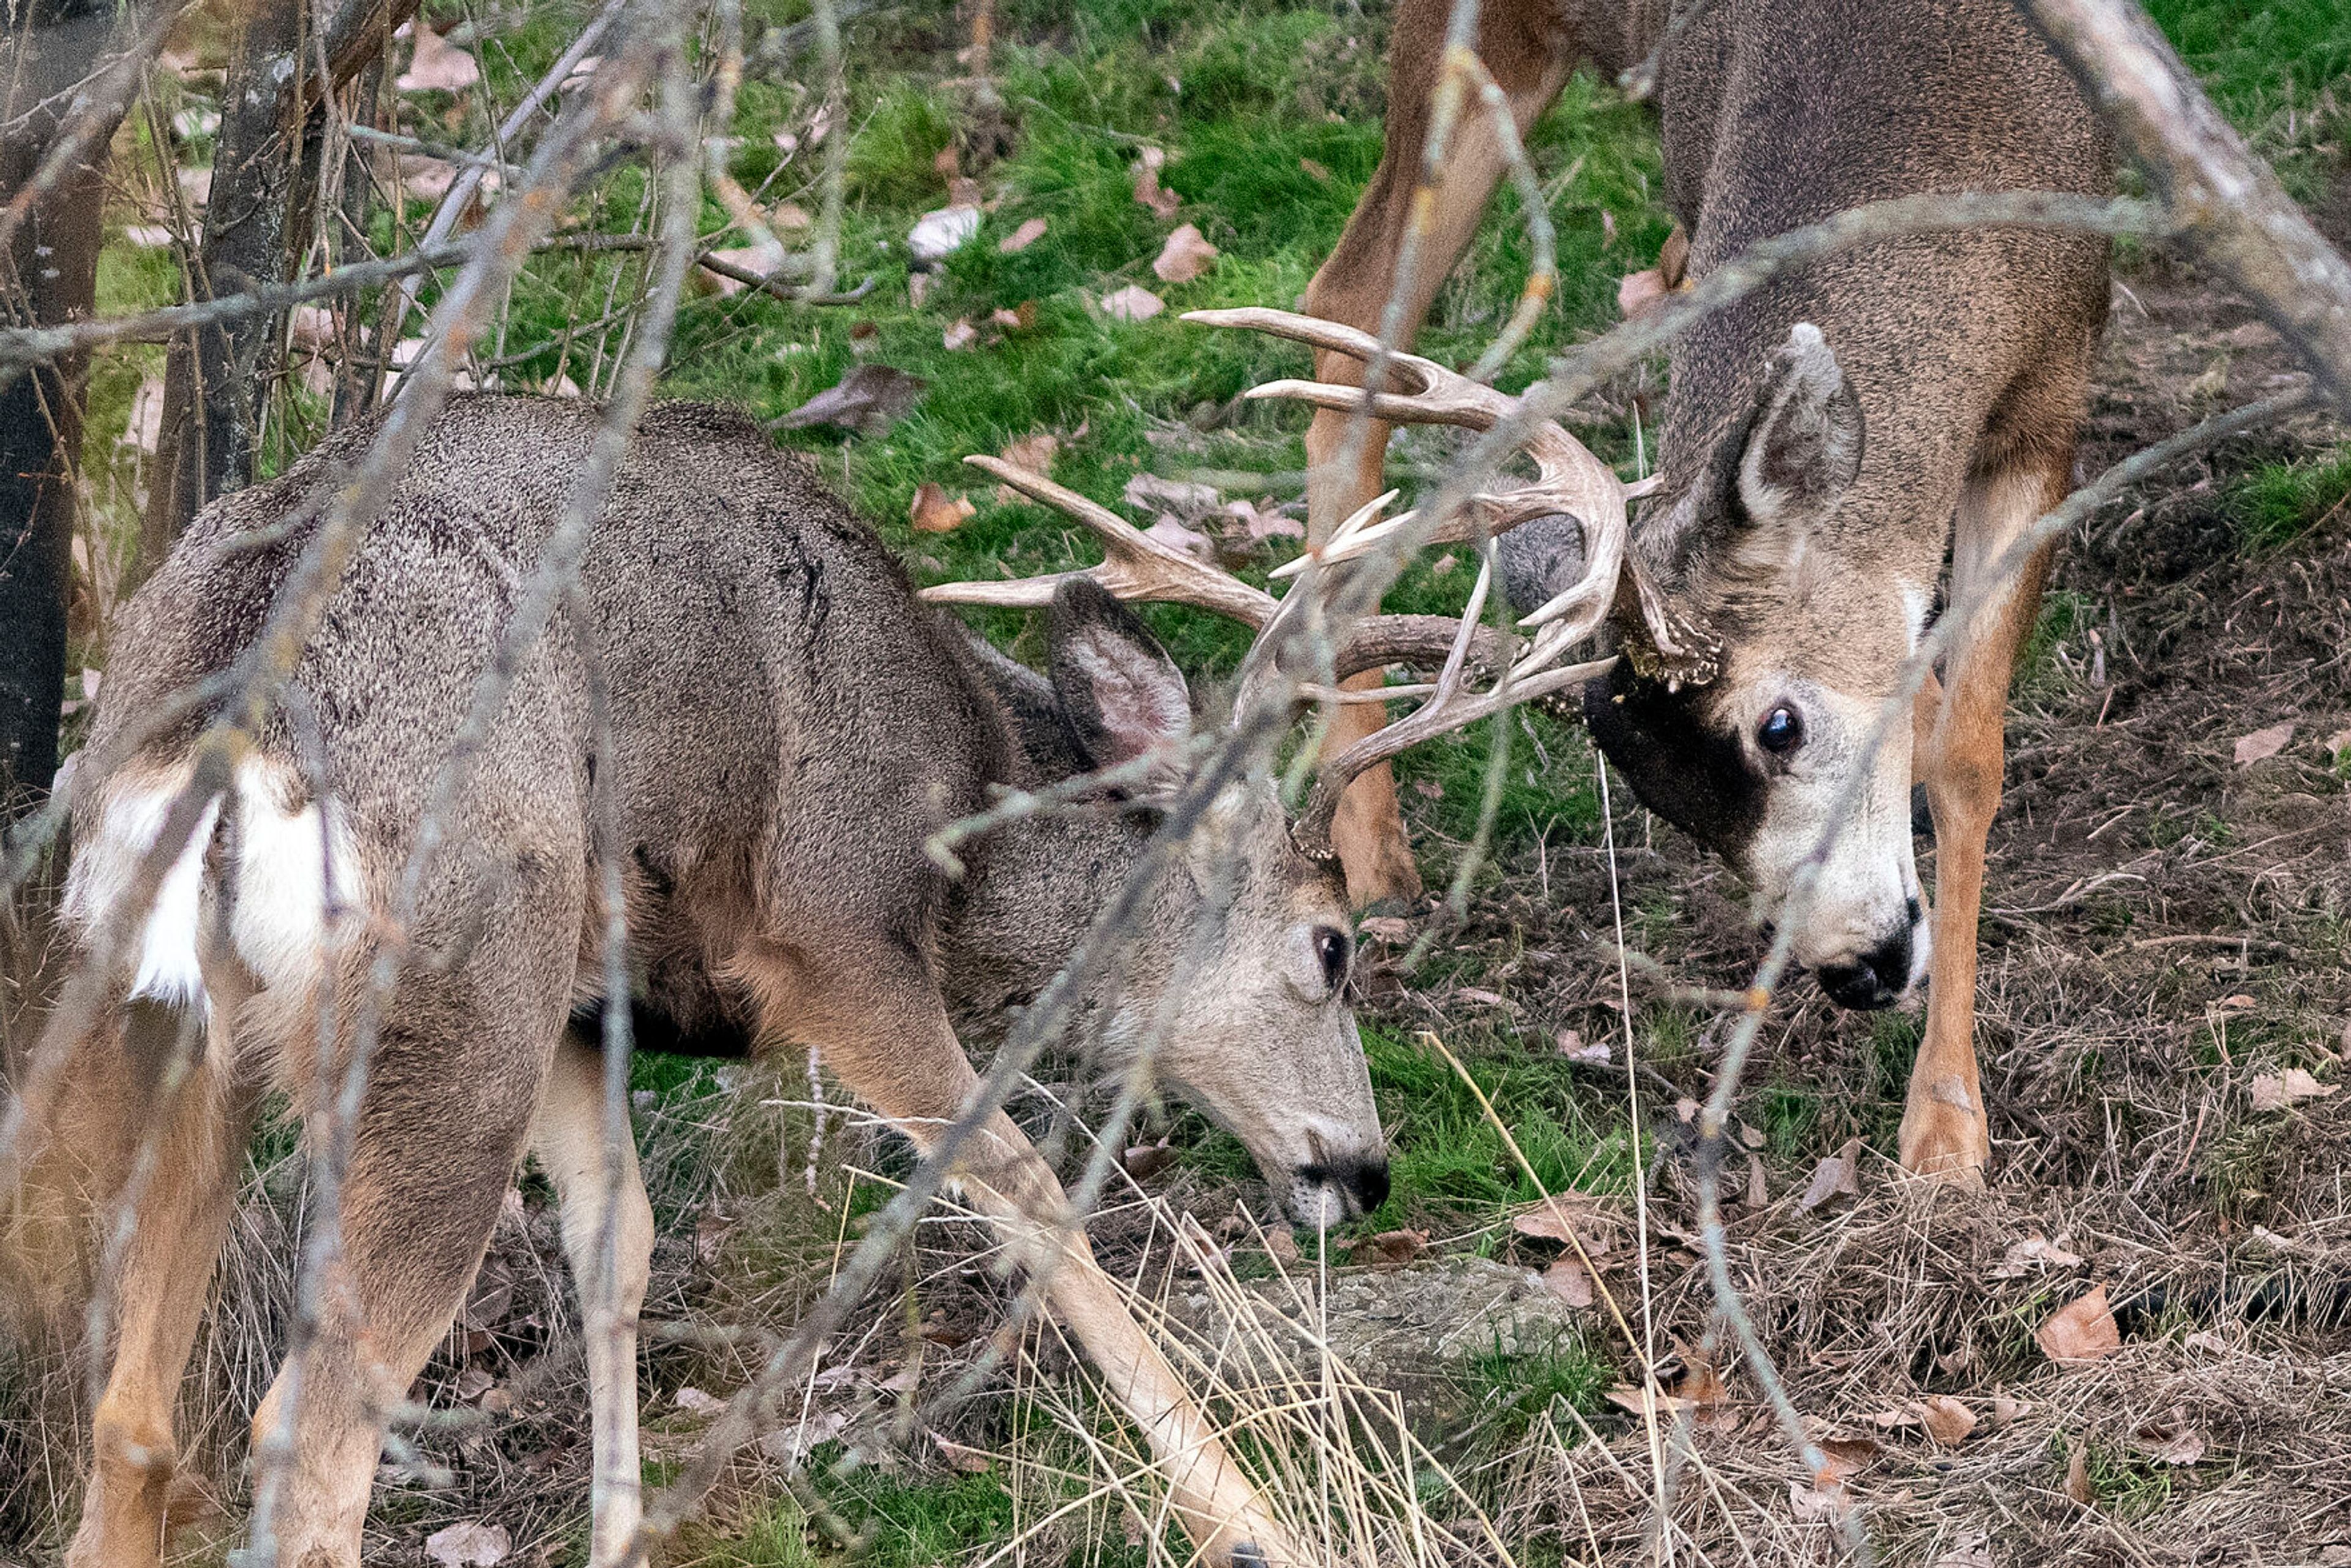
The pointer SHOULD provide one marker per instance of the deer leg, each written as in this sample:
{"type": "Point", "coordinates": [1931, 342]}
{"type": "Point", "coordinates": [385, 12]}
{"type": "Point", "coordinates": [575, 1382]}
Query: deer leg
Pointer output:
{"type": "Point", "coordinates": [568, 1140]}
{"type": "Point", "coordinates": [176, 1098]}
{"type": "Point", "coordinates": [1354, 287]}
{"type": "Point", "coordinates": [883, 1030]}
{"type": "Point", "coordinates": [454, 1083]}
{"type": "Point", "coordinates": [1944, 1129]}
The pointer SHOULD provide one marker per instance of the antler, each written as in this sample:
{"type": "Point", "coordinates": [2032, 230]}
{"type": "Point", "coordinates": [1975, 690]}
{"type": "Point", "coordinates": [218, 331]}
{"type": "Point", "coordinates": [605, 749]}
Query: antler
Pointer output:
{"type": "Point", "coordinates": [1569, 481]}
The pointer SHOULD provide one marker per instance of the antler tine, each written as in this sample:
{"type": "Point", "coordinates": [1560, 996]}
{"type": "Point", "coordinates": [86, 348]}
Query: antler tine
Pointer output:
{"type": "Point", "coordinates": [1135, 565]}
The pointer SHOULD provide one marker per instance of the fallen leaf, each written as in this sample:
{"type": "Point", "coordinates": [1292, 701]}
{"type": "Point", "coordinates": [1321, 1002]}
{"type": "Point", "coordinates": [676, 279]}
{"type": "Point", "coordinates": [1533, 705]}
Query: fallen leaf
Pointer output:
{"type": "Point", "coordinates": [868, 400]}
{"type": "Point", "coordinates": [561, 386]}
{"type": "Point", "coordinates": [1639, 291]}
{"type": "Point", "coordinates": [2032, 1252]}
{"type": "Point", "coordinates": [1144, 1161]}
{"type": "Point", "coordinates": [962, 334]}
{"type": "Point", "coordinates": [1020, 319]}
{"type": "Point", "coordinates": [2277, 1091]}
{"type": "Point", "coordinates": [1969, 1549]}
{"type": "Point", "coordinates": [1946, 1420]}
{"type": "Point", "coordinates": [468, 1545]}
{"type": "Point", "coordinates": [437, 66]}
{"type": "Point", "coordinates": [970, 1461]}
{"type": "Point", "coordinates": [1389, 928]}
{"type": "Point", "coordinates": [1391, 1249]}
{"type": "Point", "coordinates": [1281, 1246]}
{"type": "Point", "coordinates": [1832, 1178]}
{"type": "Point", "coordinates": [1846, 1457]}
{"type": "Point", "coordinates": [1033, 454]}
{"type": "Point", "coordinates": [2262, 743]}
{"type": "Point", "coordinates": [759, 260]}
{"type": "Point", "coordinates": [1030, 231]}
{"type": "Point", "coordinates": [1180, 498]}
{"type": "Point", "coordinates": [1642, 1401]}
{"type": "Point", "coordinates": [1184, 256]}
{"type": "Point", "coordinates": [2077, 1477]}
{"type": "Point", "coordinates": [700, 1403]}
{"type": "Point", "coordinates": [474, 1382]}
{"type": "Point", "coordinates": [1757, 1193]}
{"type": "Point", "coordinates": [939, 234]}
{"type": "Point", "coordinates": [2172, 1442]}
{"type": "Point", "coordinates": [2005, 1409]}
{"type": "Point", "coordinates": [1132, 303]}
{"type": "Point", "coordinates": [1701, 1385]}
{"type": "Point", "coordinates": [1175, 536]}
{"type": "Point", "coordinates": [1263, 520]}
{"type": "Point", "coordinates": [1147, 190]}
{"type": "Point", "coordinates": [1815, 1503]}
{"type": "Point", "coordinates": [794, 1443]}
{"type": "Point", "coordinates": [1568, 1279]}
{"type": "Point", "coordinates": [1482, 997]}
{"type": "Point", "coordinates": [935, 511]}
{"type": "Point", "coordinates": [1554, 1219]}
{"type": "Point", "coordinates": [2079, 1332]}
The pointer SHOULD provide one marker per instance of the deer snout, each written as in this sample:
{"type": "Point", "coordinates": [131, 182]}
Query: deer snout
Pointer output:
{"type": "Point", "coordinates": [1880, 975]}
{"type": "Point", "coordinates": [1327, 1192]}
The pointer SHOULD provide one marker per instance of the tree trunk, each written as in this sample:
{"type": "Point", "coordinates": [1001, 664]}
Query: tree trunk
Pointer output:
{"type": "Point", "coordinates": [51, 277]}
{"type": "Point", "coordinates": [215, 378]}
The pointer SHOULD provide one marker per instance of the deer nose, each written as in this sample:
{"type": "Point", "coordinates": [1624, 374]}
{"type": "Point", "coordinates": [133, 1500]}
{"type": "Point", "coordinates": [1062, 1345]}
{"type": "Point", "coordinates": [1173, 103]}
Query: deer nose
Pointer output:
{"type": "Point", "coordinates": [1875, 979]}
{"type": "Point", "coordinates": [1360, 1182]}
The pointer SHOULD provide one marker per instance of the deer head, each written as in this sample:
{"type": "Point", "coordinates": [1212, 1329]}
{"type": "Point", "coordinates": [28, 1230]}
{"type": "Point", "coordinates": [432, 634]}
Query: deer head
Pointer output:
{"type": "Point", "coordinates": [1262, 1039]}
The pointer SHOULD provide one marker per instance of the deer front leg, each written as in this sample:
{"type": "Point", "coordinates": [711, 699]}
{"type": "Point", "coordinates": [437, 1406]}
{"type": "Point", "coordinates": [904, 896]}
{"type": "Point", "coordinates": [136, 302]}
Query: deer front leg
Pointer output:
{"type": "Point", "coordinates": [882, 1028]}
{"type": "Point", "coordinates": [1945, 1133]}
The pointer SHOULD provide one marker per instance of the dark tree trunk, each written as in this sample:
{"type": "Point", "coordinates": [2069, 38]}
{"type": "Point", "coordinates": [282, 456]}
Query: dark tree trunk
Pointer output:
{"type": "Point", "coordinates": [51, 276]}
{"type": "Point", "coordinates": [257, 226]}
{"type": "Point", "coordinates": [215, 378]}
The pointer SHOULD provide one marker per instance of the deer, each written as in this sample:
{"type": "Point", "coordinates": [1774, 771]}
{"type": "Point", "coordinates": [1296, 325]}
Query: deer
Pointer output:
{"type": "Point", "coordinates": [790, 726]}
{"type": "Point", "coordinates": [1828, 442]}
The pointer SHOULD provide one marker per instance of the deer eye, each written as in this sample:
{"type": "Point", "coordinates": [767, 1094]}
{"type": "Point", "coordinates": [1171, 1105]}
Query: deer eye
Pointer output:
{"type": "Point", "coordinates": [1781, 732]}
{"type": "Point", "coordinates": [1331, 950]}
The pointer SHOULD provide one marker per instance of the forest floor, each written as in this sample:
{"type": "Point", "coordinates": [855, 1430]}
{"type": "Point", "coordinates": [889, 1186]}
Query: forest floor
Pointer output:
{"type": "Point", "coordinates": [2164, 947]}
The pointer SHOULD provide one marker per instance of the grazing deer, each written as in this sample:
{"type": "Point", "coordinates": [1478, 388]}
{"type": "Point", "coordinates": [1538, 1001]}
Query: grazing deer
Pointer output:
{"type": "Point", "coordinates": [791, 727]}
{"type": "Point", "coordinates": [1827, 442]}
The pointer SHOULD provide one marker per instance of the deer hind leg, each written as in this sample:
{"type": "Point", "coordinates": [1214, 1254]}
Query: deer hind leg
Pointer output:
{"type": "Point", "coordinates": [883, 1029]}
{"type": "Point", "coordinates": [451, 1095]}
{"type": "Point", "coordinates": [175, 1103]}
{"type": "Point", "coordinates": [601, 1208]}
{"type": "Point", "coordinates": [1944, 1129]}
{"type": "Point", "coordinates": [1354, 286]}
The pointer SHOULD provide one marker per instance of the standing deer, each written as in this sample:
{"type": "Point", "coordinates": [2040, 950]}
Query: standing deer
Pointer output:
{"type": "Point", "coordinates": [1828, 442]}
{"type": "Point", "coordinates": [791, 727]}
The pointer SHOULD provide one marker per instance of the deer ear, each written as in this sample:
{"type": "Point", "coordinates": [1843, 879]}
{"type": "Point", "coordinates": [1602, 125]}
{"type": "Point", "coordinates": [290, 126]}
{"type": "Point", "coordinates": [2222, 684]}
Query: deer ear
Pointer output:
{"type": "Point", "coordinates": [1803, 446]}
{"type": "Point", "coordinates": [1120, 693]}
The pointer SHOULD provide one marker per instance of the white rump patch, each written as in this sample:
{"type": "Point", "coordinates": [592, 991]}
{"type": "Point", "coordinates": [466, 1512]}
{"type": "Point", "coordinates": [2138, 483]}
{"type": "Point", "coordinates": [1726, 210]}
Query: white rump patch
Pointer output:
{"type": "Point", "coordinates": [278, 903]}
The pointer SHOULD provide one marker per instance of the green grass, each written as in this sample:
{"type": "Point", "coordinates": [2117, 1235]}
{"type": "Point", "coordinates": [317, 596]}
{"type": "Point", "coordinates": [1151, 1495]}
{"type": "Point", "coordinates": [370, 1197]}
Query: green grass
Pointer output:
{"type": "Point", "coordinates": [2269, 64]}
{"type": "Point", "coordinates": [2280, 503]}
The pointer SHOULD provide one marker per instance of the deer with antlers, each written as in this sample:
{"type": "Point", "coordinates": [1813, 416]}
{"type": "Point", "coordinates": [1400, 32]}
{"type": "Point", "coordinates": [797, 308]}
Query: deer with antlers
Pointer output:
{"type": "Point", "coordinates": [1828, 444]}
{"type": "Point", "coordinates": [790, 726]}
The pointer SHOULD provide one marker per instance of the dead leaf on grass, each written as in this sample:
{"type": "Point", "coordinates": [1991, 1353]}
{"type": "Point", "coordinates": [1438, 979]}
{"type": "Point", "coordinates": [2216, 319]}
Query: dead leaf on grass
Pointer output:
{"type": "Point", "coordinates": [468, 1545]}
{"type": "Point", "coordinates": [1813, 1504]}
{"type": "Point", "coordinates": [1834, 1177]}
{"type": "Point", "coordinates": [1639, 1401]}
{"type": "Point", "coordinates": [1281, 1246]}
{"type": "Point", "coordinates": [1030, 231]}
{"type": "Point", "coordinates": [1020, 319]}
{"type": "Point", "coordinates": [1132, 303]}
{"type": "Point", "coordinates": [1969, 1549]}
{"type": "Point", "coordinates": [960, 334]}
{"type": "Point", "coordinates": [1758, 1195]}
{"type": "Point", "coordinates": [1637, 292]}
{"type": "Point", "coordinates": [1946, 1420]}
{"type": "Point", "coordinates": [938, 234]}
{"type": "Point", "coordinates": [695, 1400]}
{"type": "Point", "coordinates": [1186, 256]}
{"type": "Point", "coordinates": [2079, 1332]}
{"type": "Point", "coordinates": [2262, 743]}
{"type": "Point", "coordinates": [1175, 536]}
{"type": "Point", "coordinates": [2277, 1091]}
{"type": "Point", "coordinates": [2174, 1441]}
{"type": "Point", "coordinates": [439, 66]}
{"type": "Point", "coordinates": [1568, 1279]}
{"type": "Point", "coordinates": [868, 400]}
{"type": "Point", "coordinates": [937, 512]}
{"type": "Point", "coordinates": [1144, 1161]}
{"type": "Point", "coordinates": [2077, 1477]}
{"type": "Point", "coordinates": [970, 1461]}
{"type": "Point", "coordinates": [1319, 172]}
{"type": "Point", "coordinates": [1391, 1249]}
{"type": "Point", "coordinates": [1554, 1219]}
{"type": "Point", "coordinates": [2034, 1252]}
{"type": "Point", "coordinates": [1147, 190]}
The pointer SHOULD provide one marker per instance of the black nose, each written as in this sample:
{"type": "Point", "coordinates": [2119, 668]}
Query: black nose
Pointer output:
{"type": "Point", "coordinates": [1874, 979]}
{"type": "Point", "coordinates": [1363, 1179]}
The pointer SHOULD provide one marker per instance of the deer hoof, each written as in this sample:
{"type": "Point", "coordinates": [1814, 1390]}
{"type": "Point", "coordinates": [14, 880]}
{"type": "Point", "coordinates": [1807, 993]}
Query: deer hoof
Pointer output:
{"type": "Point", "coordinates": [1952, 1150]}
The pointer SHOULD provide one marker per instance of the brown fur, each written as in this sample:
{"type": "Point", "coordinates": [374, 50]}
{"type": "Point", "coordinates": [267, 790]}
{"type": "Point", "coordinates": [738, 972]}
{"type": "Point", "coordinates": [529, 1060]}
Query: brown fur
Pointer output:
{"type": "Point", "coordinates": [791, 727]}
{"type": "Point", "coordinates": [1960, 362]}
